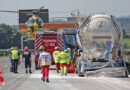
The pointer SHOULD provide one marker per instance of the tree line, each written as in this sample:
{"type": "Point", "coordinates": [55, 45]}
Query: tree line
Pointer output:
{"type": "Point", "coordinates": [9, 37]}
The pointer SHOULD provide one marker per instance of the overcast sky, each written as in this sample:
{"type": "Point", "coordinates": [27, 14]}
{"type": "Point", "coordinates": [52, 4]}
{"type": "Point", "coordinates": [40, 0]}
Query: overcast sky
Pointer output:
{"type": "Point", "coordinates": [114, 7]}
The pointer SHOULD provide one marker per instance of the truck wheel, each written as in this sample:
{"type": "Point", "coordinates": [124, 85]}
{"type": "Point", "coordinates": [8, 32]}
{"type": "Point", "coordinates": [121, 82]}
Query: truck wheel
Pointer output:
{"type": "Point", "coordinates": [126, 74]}
{"type": "Point", "coordinates": [80, 75]}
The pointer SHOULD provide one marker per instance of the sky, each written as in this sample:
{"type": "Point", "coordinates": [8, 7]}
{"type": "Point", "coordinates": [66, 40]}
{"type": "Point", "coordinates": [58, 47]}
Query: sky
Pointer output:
{"type": "Point", "coordinates": [63, 8]}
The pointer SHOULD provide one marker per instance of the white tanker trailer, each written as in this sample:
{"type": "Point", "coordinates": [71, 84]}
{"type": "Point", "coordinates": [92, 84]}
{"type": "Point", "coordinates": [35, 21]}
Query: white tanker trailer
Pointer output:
{"type": "Point", "coordinates": [98, 38]}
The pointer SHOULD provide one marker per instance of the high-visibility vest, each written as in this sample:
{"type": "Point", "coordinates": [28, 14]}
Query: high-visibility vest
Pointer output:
{"type": "Point", "coordinates": [14, 54]}
{"type": "Point", "coordinates": [63, 57]}
{"type": "Point", "coordinates": [55, 56]}
{"type": "Point", "coordinates": [68, 57]}
{"type": "Point", "coordinates": [45, 59]}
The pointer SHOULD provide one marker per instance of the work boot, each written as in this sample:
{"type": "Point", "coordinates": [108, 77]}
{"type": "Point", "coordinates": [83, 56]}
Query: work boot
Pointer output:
{"type": "Point", "coordinates": [65, 74]}
{"type": "Point", "coordinates": [26, 71]}
{"type": "Point", "coordinates": [16, 72]}
{"type": "Point", "coordinates": [43, 79]}
{"type": "Point", "coordinates": [57, 71]}
{"type": "Point", "coordinates": [47, 81]}
{"type": "Point", "coordinates": [30, 71]}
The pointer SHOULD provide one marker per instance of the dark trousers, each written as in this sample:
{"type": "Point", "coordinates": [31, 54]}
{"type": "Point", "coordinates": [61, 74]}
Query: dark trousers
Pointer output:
{"type": "Point", "coordinates": [15, 65]}
{"type": "Point", "coordinates": [57, 65]}
{"type": "Point", "coordinates": [11, 66]}
{"type": "Point", "coordinates": [27, 64]}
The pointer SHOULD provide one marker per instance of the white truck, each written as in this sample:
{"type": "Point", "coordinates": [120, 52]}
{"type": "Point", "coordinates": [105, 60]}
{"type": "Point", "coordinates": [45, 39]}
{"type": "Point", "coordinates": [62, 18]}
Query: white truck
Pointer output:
{"type": "Point", "coordinates": [98, 38]}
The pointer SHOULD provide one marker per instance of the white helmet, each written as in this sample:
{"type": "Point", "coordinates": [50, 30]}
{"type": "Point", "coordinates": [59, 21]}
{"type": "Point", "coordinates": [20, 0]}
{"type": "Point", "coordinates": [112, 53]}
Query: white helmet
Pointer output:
{"type": "Point", "coordinates": [65, 50]}
{"type": "Point", "coordinates": [69, 49]}
{"type": "Point", "coordinates": [56, 47]}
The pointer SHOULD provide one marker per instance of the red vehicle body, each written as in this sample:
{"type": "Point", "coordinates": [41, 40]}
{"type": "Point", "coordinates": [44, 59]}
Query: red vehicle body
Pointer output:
{"type": "Point", "coordinates": [49, 40]}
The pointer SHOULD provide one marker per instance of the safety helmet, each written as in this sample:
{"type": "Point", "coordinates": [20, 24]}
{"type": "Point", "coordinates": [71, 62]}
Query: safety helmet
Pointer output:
{"type": "Point", "coordinates": [69, 49]}
{"type": "Point", "coordinates": [41, 47]}
{"type": "Point", "coordinates": [56, 48]}
{"type": "Point", "coordinates": [26, 48]}
{"type": "Point", "coordinates": [12, 48]}
{"type": "Point", "coordinates": [65, 50]}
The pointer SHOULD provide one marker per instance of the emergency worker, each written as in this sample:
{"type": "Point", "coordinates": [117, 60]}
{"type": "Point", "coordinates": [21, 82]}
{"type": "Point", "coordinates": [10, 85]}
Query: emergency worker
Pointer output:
{"type": "Point", "coordinates": [45, 62]}
{"type": "Point", "coordinates": [27, 56]}
{"type": "Point", "coordinates": [69, 58]}
{"type": "Point", "coordinates": [63, 62]}
{"type": "Point", "coordinates": [11, 61]}
{"type": "Point", "coordinates": [38, 54]}
{"type": "Point", "coordinates": [57, 61]}
{"type": "Point", "coordinates": [15, 56]}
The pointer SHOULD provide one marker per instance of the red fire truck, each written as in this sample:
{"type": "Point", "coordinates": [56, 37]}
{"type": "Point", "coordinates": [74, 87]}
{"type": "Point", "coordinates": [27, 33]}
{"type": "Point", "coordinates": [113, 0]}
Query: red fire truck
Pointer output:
{"type": "Point", "coordinates": [50, 40]}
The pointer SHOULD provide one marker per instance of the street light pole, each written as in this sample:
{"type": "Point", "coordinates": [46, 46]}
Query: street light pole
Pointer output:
{"type": "Point", "coordinates": [22, 42]}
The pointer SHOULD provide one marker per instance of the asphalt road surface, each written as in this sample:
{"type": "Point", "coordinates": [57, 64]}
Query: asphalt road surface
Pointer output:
{"type": "Point", "coordinates": [22, 81]}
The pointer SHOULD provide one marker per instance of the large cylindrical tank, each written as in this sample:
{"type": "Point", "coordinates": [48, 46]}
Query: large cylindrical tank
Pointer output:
{"type": "Point", "coordinates": [101, 28]}
{"type": "Point", "coordinates": [95, 33]}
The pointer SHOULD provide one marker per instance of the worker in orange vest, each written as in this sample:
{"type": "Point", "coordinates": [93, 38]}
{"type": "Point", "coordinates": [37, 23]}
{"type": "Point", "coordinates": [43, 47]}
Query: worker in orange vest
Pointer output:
{"type": "Point", "coordinates": [57, 61]}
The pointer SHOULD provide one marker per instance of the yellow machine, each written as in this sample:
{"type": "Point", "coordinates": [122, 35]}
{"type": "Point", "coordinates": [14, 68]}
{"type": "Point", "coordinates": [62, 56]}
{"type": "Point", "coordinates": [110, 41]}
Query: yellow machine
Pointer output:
{"type": "Point", "coordinates": [34, 23]}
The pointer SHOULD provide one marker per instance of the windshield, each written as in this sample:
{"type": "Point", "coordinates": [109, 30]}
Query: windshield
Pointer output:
{"type": "Point", "coordinates": [30, 22]}
{"type": "Point", "coordinates": [39, 22]}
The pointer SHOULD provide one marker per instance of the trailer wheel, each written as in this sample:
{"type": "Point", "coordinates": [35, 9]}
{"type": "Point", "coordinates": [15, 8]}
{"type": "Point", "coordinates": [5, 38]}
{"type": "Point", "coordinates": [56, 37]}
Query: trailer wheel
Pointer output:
{"type": "Point", "coordinates": [126, 74]}
{"type": "Point", "coordinates": [80, 74]}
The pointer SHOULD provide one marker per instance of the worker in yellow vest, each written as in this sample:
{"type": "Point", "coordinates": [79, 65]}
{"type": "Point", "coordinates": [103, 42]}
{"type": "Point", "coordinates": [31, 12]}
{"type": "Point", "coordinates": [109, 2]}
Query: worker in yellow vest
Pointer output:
{"type": "Point", "coordinates": [11, 67]}
{"type": "Point", "coordinates": [63, 62]}
{"type": "Point", "coordinates": [69, 58]}
{"type": "Point", "coordinates": [45, 62]}
{"type": "Point", "coordinates": [57, 61]}
{"type": "Point", "coordinates": [15, 56]}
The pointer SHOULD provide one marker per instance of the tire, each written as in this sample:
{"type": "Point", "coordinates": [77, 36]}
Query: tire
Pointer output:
{"type": "Point", "coordinates": [79, 73]}
{"type": "Point", "coordinates": [126, 74]}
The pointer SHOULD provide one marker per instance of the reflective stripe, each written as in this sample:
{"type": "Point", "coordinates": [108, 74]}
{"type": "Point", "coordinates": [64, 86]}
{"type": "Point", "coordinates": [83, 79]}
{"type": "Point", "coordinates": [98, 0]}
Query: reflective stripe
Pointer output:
{"type": "Point", "coordinates": [30, 68]}
{"type": "Point", "coordinates": [44, 61]}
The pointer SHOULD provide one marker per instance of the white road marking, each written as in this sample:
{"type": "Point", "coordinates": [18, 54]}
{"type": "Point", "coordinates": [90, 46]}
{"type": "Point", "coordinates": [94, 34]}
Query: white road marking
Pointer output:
{"type": "Point", "coordinates": [5, 66]}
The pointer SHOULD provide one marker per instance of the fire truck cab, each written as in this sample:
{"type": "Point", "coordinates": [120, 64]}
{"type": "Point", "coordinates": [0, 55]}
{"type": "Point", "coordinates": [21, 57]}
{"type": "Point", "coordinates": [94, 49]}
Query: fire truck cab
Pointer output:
{"type": "Point", "coordinates": [50, 40]}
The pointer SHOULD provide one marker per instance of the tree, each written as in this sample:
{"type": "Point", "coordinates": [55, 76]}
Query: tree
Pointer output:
{"type": "Point", "coordinates": [9, 37]}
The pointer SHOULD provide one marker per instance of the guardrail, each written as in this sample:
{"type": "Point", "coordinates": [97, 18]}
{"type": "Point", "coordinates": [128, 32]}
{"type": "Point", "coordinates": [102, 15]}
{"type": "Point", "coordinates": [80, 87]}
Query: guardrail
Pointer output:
{"type": "Point", "coordinates": [6, 53]}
